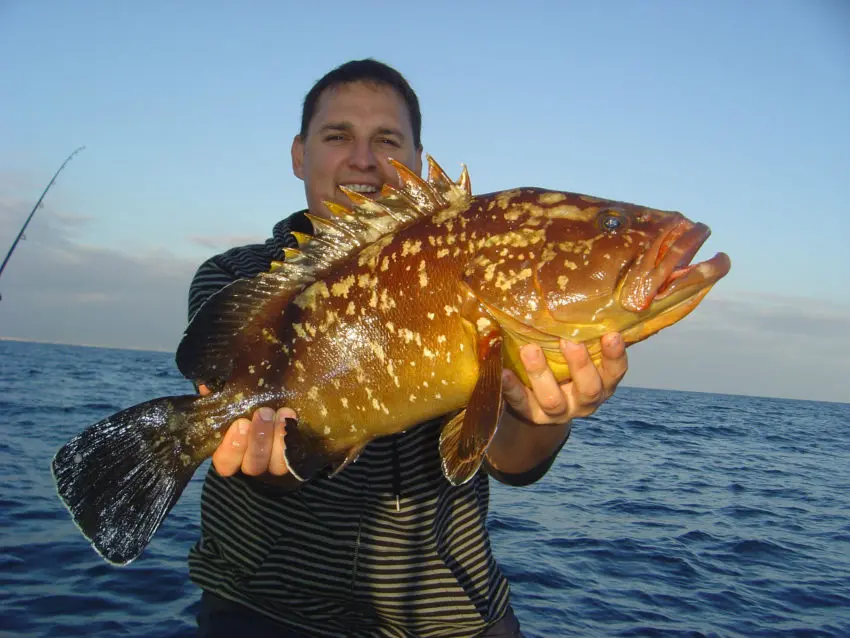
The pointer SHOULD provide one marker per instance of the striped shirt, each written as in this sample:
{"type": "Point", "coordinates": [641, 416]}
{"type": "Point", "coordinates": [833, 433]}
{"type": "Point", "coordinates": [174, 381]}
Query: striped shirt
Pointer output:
{"type": "Point", "coordinates": [336, 558]}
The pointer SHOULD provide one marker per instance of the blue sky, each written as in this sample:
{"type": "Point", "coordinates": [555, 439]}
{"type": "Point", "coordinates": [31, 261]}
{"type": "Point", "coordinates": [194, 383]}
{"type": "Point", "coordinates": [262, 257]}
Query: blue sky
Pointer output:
{"type": "Point", "coordinates": [734, 113]}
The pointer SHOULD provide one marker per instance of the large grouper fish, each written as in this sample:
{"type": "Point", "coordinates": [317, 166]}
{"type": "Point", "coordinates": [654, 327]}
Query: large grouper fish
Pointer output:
{"type": "Point", "coordinates": [394, 312]}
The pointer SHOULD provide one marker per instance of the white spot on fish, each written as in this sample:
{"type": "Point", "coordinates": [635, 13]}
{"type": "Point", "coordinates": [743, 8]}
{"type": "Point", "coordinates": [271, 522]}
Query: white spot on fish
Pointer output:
{"type": "Point", "coordinates": [377, 350]}
{"type": "Point", "coordinates": [341, 288]}
{"type": "Point", "coordinates": [411, 248]}
{"type": "Point", "coordinates": [309, 297]}
{"type": "Point", "coordinates": [78, 458]}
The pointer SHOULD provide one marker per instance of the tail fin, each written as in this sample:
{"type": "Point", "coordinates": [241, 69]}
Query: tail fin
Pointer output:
{"type": "Point", "coordinates": [120, 477]}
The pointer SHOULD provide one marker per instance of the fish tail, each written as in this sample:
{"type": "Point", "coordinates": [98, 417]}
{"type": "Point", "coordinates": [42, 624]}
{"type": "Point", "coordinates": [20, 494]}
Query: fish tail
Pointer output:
{"type": "Point", "coordinates": [120, 477]}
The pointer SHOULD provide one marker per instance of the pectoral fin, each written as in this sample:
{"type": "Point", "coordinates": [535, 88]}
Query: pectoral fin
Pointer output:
{"type": "Point", "coordinates": [465, 438]}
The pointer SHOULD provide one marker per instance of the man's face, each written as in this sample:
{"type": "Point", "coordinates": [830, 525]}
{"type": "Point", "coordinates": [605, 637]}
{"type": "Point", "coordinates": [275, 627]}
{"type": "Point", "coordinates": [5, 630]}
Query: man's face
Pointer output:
{"type": "Point", "coordinates": [355, 130]}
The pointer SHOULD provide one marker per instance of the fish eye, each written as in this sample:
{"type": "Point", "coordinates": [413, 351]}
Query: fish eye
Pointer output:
{"type": "Point", "coordinates": [611, 220]}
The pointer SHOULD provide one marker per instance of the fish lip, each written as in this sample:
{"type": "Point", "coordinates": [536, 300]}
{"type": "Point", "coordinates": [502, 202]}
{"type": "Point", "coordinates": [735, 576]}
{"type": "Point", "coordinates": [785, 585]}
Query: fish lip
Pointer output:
{"type": "Point", "coordinates": [673, 270]}
{"type": "Point", "coordinates": [676, 270]}
{"type": "Point", "coordinates": [694, 276]}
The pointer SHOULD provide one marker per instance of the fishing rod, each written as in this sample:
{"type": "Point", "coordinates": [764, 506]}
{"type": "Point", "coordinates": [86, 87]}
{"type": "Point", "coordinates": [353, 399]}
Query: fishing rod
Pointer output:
{"type": "Point", "coordinates": [35, 208]}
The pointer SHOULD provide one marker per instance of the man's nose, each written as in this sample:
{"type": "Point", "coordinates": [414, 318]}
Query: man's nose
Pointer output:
{"type": "Point", "coordinates": [362, 156]}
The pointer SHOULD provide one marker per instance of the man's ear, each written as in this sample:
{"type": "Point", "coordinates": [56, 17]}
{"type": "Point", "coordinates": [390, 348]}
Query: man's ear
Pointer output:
{"type": "Point", "coordinates": [418, 167]}
{"type": "Point", "coordinates": [298, 157]}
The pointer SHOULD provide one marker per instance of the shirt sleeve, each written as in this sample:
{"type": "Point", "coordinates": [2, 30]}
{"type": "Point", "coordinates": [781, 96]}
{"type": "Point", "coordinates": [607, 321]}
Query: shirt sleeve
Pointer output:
{"type": "Point", "coordinates": [210, 277]}
{"type": "Point", "coordinates": [524, 478]}
{"type": "Point", "coordinates": [208, 280]}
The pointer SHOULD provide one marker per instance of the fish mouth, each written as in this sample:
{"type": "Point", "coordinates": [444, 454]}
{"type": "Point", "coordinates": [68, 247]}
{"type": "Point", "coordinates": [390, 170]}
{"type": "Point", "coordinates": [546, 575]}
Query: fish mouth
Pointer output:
{"type": "Point", "coordinates": [673, 278]}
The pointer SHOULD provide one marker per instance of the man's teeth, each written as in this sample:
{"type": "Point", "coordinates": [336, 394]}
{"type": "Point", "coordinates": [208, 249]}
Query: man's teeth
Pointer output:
{"type": "Point", "coordinates": [362, 188]}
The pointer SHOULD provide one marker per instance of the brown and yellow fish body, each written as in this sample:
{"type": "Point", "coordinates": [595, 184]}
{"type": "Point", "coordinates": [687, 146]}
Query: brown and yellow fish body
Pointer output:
{"type": "Point", "coordinates": [394, 312]}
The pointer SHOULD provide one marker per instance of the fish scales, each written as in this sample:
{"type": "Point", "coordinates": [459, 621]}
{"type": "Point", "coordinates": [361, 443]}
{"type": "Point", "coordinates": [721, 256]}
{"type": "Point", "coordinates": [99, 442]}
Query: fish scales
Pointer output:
{"type": "Point", "coordinates": [395, 312]}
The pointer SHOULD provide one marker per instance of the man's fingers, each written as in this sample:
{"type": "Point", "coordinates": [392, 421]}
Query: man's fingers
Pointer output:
{"type": "Point", "coordinates": [277, 463]}
{"type": "Point", "coordinates": [515, 393]}
{"type": "Point", "coordinates": [254, 447]}
{"type": "Point", "coordinates": [586, 383]}
{"type": "Point", "coordinates": [615, 362]}
{"type": "Point", "coordinates": [260, 441]}
{"type": "Point", "coordinates": [547, 392]}
{"type": "Point", "coordinates": [227, 459]}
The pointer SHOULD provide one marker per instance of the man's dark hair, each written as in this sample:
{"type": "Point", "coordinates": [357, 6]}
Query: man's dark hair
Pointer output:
{"type": "Point", "coordinates": [371, 72]}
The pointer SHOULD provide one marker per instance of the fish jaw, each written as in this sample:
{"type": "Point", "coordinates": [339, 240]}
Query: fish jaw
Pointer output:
{"type": "Point", "coordinates": [665, 293]}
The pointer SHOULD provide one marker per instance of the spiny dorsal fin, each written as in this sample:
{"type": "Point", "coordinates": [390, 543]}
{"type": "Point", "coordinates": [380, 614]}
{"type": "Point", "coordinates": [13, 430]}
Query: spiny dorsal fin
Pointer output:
{"type": "Point", "coordinates": [238, 314]}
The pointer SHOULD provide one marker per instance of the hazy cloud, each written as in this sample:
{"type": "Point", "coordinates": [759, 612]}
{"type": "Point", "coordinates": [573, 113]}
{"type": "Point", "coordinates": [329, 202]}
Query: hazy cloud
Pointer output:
{"type": "Point", "coordinates": [793, 347]}
{"type": "Point", "coordinates": [57, 289]}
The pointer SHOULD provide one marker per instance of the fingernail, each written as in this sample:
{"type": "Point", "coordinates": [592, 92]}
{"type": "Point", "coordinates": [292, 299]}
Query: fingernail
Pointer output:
{"type": "Point", "coordinates": [266, 414]}
{"type": "Point", "coordinates": [507, 379]}
{"type": "Point", "coordinates": [531, 354]}
{"type": "Point", "coordinates": [613, 340]}
{"type": "Point", "coordinates": [572, 345]}
{"type": "Point", "coordinates": [243, 426]}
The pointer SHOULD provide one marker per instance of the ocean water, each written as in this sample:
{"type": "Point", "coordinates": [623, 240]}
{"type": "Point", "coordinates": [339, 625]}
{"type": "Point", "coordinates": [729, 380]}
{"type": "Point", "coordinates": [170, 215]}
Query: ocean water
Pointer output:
{"type": "Point", "coordinates": [667, 514]}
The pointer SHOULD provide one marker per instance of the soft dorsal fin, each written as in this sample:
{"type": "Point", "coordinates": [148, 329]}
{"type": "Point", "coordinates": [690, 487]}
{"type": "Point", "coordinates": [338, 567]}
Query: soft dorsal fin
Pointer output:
{"type": "Point", "coordinates": [237, 314]}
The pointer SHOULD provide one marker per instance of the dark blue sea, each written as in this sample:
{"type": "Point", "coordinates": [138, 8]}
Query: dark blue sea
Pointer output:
{"type": "Point", "coordinates": [667, 514]}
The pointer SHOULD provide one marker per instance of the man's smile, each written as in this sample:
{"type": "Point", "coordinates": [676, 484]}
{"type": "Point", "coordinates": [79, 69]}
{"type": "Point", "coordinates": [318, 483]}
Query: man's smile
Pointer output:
{"type": "Point", "coordinates": [366, 189]}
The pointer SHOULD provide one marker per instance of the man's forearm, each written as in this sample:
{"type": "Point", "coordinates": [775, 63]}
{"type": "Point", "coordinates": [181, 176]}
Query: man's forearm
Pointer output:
{"type": "Point", "coordinates": [519, 447]}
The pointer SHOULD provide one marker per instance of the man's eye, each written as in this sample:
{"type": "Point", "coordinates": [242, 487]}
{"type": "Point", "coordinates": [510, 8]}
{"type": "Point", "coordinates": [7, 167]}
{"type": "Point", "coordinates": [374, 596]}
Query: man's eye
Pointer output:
{"type": "Point", "coordinates": [336, 137]}
{"type": "Point", "coordinates": [387, 141]}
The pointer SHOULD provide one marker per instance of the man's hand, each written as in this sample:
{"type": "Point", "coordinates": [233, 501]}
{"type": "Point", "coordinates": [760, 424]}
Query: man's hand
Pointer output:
{"type": "Point", "coordinates": [547, 401]}
{"type": "Point", "coordinates": [253, 447]}
{"type": "Point", "coordinates": [521, 447]}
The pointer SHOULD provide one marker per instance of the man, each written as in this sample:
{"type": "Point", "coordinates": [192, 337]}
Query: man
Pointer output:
{"type": "Point", "coordinates": [387, 547]}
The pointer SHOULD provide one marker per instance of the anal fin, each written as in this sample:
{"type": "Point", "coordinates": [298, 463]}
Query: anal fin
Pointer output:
{"type": "Point", "coordinates": [306, 453]}
{"type": "Point", "coordinates": [350, 458]}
